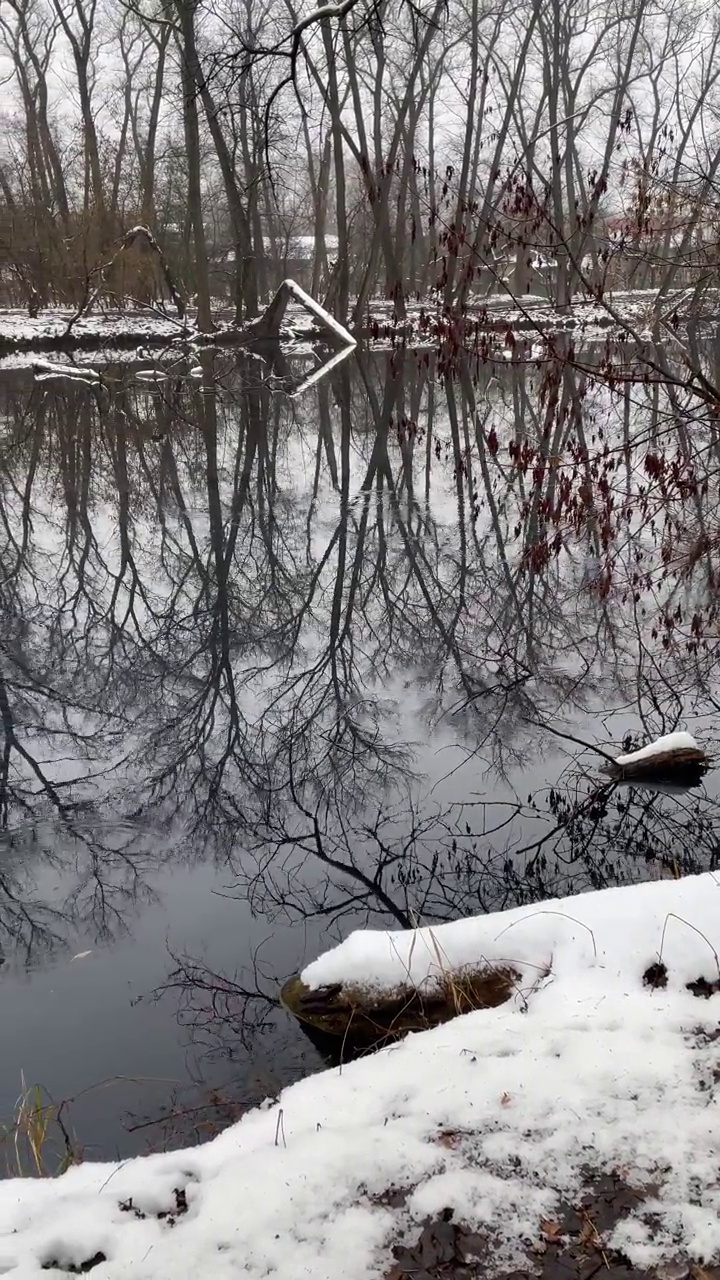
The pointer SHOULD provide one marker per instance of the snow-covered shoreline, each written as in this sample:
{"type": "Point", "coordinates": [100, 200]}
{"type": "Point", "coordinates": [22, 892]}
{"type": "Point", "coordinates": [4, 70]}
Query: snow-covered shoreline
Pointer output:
{"type": "Point", "coordinates": [52, 328]}
{"type": "Point", "coordinates": [595, 1072]}
{"type": "Point", "coordinates": [622, 929]}
{"type": "Point", "coordinates": [51, 331]}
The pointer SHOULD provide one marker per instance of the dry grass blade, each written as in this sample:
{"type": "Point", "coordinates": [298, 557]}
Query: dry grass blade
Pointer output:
{"type": "Point", "coordinates": [671, 915]}
{"type": "Point", "coordinates": [37, 1137]}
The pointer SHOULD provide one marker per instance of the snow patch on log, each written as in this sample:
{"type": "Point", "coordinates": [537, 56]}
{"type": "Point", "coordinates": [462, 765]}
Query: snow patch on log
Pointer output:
{"type": "Point", "coordinates": [669, 742]}
{"type": "Point", "coordinates": [45, 369]}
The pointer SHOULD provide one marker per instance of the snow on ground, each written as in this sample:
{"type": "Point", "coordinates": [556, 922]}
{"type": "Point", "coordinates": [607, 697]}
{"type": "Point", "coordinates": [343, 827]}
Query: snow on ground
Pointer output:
{"type": "Point", "coordinates": [669, 742]}
{"type": "Point", "coordinates": [17, 328]}
{"type": "Point", "coordinates": [592, 1072]}
{"type": "Point", "coordinates": [49, 330]}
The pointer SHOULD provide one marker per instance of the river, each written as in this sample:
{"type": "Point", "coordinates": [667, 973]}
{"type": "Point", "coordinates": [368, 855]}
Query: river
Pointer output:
{"type": "Point", "coordinates": [282, 662]}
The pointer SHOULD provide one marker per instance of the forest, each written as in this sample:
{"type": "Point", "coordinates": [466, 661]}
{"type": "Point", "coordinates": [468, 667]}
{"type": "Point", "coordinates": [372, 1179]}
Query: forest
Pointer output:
{"type": "Point", "coordinates": [370, 149]}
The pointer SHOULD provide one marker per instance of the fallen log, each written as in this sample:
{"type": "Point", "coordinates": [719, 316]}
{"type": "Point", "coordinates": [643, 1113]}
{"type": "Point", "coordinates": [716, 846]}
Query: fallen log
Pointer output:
{"type": "Point", "coordinates": [675, 757]}
{"type": "Point", "coordinates": [268, 325]}
{"type": "Point", "coordinates": [48, 369]}
{"type": "Point", "coordinates": [361, 1018]}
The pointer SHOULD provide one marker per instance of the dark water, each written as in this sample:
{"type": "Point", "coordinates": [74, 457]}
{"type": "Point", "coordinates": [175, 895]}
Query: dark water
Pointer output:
{"type": "Point", "coordinates": [279, 663]}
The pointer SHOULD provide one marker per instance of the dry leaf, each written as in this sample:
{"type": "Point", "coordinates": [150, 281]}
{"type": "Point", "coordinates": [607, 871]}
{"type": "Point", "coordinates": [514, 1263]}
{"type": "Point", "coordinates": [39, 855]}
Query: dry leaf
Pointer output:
{"type": "Point", "coordinates": [589, 1234]}
{"type": "Point", "coordinates": [551, 1230]}
{"type": "Point", "coordinates": [505, 1100]}
{"type": "Point", "coordinates": [450, 1138]}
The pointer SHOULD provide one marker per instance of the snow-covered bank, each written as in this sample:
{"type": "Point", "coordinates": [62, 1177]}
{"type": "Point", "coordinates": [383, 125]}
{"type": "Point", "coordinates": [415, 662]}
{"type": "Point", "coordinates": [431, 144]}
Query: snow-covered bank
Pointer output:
{"type": "Point", "coordinates": [614, 930]}
{"type": "Point", "coordinates": [499, 1116]}
{"type": "Point", "coordinates": [52, 330]}
{"type": "Point", "coordinates": [427, 321]}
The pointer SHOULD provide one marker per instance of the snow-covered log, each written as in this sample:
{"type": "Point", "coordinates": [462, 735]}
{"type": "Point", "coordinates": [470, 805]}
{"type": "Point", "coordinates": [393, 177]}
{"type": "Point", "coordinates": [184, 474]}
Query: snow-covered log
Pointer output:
{"type": "Point", "coordinates": [45, 369]}
{"type": "Point", "coordinates": [357, 1017]}
{"type": "Point", "coordinates": [672, 757]}
{"type": "Point", "coordinates": [268, 326]}
{"type": "Point", "coordinates": [378, 984]}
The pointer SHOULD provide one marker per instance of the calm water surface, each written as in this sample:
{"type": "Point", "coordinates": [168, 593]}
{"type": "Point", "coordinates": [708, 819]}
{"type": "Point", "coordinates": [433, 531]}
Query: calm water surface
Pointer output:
{"type": "Point", "coordinates": [277, 663]}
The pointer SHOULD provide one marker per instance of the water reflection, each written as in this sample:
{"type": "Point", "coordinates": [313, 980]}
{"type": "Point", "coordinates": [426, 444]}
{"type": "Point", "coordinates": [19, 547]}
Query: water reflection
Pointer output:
{"type": "Point", "coordinates": [351, 647]}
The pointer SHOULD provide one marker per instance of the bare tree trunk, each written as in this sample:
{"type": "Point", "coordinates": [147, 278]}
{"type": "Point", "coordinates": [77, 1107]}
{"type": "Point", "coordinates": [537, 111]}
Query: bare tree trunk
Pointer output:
{"type": "Point", "coordinates": [342, 283]}
{"type": "Point", "coordinates": [81, 45]}
{"type": "Point", "coordinates": [185, 10]}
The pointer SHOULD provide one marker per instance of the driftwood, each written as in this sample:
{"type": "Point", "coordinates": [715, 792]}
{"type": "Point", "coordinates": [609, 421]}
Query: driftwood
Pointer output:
{"type": "Point", "coordinates": [682, 765]}
{"type": "Point", "coordinates": [360, 1018]}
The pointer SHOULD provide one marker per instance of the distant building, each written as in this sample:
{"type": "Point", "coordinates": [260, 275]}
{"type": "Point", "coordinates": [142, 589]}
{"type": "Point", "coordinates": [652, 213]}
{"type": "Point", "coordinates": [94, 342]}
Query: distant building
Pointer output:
{"type": "Point", "coordinates": [286, 256]}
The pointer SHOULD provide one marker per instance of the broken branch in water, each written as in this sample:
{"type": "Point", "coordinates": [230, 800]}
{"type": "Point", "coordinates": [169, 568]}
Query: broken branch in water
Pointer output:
{"type": "Point", "coordinates": [268, 325]}
{"type": "Point", "coordinates": [45, 369]}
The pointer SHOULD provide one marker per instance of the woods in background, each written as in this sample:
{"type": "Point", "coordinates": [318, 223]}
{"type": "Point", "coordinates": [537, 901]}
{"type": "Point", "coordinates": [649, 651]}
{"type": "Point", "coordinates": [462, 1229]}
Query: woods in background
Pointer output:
{"type": "Point", "coordinates": [368, 148]}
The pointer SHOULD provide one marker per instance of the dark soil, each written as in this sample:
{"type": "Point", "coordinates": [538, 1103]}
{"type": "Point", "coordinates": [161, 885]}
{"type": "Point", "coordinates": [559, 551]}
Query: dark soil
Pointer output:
{"type": "Point", "coordinates": [570, 1247]}
{"type": "Point", "coordinates": [170, 1216]}
{"type": "Point", "coordinates": [79, 1269]}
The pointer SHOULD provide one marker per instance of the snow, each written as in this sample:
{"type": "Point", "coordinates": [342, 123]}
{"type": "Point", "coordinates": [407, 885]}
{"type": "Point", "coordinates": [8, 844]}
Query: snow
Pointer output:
{"type": "Point", "coordinates": [50, 328]}
{"type": "Point", "coordinates": [588, 1072]}
{"type": "Point", "coordinates": [67, 377]}
{"type": "Point", "coordinates": [47, 370]}
{"type": "Point", "coordinates": [135, 323]}
{"type": "Point", "coordinates": [669, 742]}
{"type": "Point", "coordinates": [298, 247]}
{"type": "Point", "coordinates": [621, 927]}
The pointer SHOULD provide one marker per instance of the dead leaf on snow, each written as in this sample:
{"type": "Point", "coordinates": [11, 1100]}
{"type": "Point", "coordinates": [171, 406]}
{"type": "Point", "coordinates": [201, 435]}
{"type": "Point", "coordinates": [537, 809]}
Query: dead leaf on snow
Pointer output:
{"type": "Point", "coordinates": [449, 1138]}
{"type": "Point", "coordinates": [551, 1230]}
{"type": "Point", "coordinates": [589, 1233]}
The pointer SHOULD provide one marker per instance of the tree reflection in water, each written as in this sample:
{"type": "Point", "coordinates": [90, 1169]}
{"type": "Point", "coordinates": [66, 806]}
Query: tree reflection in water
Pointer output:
{"type": "Point", "coordinates": [354, 645]}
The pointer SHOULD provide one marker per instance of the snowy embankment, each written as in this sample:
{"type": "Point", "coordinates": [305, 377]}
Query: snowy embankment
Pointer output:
{"type": "Point", "coordinates": [503, 1117]}
{"type": "Point", "coordinates": [52, 329]}
{"type": "Point", "coordinates": [615, 930]}
{"type": "Point", "coordinates": [58, 328]}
